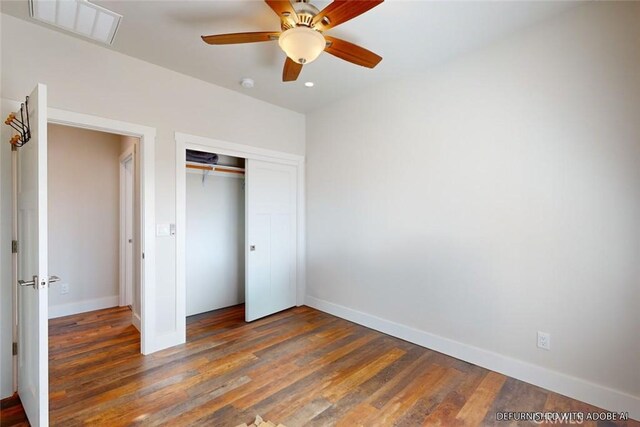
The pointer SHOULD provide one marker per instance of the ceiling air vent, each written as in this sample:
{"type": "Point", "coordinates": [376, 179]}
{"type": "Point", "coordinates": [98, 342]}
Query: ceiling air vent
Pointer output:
{"type": "Point", "coordinates": [79, 17]}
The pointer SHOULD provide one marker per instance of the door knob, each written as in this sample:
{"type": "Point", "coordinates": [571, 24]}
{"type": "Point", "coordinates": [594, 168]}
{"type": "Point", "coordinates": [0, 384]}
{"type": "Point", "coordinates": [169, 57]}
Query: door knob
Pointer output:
{"type": "Point", "coordinates": [252, 248]}
{"type": "Point", "coordinates": [33, 282]}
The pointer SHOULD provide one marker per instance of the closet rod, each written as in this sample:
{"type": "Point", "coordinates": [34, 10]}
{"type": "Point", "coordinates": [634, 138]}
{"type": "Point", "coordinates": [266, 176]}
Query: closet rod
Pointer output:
{"type": "Point", "coordinates": [216, 168]}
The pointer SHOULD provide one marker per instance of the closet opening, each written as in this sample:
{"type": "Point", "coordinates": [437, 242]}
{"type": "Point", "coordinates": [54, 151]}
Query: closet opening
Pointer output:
{"type": "Point", "coordinates": [239, 244]}
{"type": "Point", "coordinates": [215, 231]}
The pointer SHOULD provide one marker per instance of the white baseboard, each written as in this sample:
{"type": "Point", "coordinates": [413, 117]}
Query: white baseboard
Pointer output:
{"type": "Point", "coordinates": [135, 319]}
{"type": "Point", "coordinates": [61, 310]}
{"type": "Point", "coordinates": [167, 340]}
{"type": "Point", "coordinates": [576, 388]}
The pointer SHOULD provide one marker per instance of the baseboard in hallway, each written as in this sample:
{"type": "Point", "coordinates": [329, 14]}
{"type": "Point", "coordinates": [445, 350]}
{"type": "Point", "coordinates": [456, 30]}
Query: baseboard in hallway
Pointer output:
{"type": "Point", "coordinates": [61, 310]}
{"type": "Point", "coordinates": [137, 322]}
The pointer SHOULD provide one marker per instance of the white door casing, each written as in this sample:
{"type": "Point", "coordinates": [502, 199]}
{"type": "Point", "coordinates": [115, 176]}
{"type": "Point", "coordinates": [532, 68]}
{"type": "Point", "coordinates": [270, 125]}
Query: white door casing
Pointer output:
{"type": "Point", "coordinates": [33, 361]}
{"type": "Point", "coordinates": [150, 340]}
{"type": "Point", "coordinates": [270, 284]}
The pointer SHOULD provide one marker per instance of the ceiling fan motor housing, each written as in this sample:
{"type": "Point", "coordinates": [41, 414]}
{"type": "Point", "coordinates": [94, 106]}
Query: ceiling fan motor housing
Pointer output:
{"type": "Point", "coordinates": [306, 12]}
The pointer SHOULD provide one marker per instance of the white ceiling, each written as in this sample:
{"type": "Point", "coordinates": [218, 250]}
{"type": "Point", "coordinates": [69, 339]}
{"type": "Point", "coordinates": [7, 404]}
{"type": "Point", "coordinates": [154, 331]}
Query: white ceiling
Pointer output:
{"type": "Point", "coordinates": [411, 36]}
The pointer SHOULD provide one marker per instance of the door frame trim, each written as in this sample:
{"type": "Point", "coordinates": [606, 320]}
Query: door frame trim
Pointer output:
{"type": "Point", "coordinates": [186, 141]}
{"type": "Point", "coordinates": [147, 136]}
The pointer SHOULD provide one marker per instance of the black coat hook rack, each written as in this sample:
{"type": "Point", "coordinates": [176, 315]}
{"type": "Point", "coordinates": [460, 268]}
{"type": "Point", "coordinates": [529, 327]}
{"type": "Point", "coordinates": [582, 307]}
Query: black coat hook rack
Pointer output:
{"type": "Point", "coordinates": [21, 125]}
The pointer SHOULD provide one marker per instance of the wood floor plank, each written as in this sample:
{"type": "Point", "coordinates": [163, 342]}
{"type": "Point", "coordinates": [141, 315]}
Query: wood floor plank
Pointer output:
{"type": "Point", "coordinates": [513, 393]}
{"type": "Point", "coordinates": [358, 416]}
{"type": "Point", "coordinates": [310, 378]}
{"type": "Point", "coordinates": [343, 385]}
{"type": "Point", "coordinates": [12, 413]}
{"type": "Point", "coordinates": [447, 406]}
{"type": "Point", "coordinates": [379, 384]}
{"type": "Point", "coordinates": [194, 402]}
{"type": "Point", "coordinates": [399, 382]}
{"type": "Point", "coordinates": [300, 367]}
{"type": "Point", "coordinates": [291, 398]}
{"type": "Point", "coordinates": [426, 403]}
{"type": "Point", "coordinates": [302, 416]}
{"type": "Point", "coordinates": [562, 404]}
{"type": "Point", "coordinates": [408, 396]}
{"type": "Point", "coordinates": [476, 407]}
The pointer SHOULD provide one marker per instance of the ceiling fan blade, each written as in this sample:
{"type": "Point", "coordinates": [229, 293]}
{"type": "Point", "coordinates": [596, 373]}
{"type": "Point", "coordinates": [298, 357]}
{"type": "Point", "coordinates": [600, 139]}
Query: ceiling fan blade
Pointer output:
{"type": "Point", "coordinates": [341, 11]}
{"type": "Point", "coordinates": [351, 52]}
{"type": "Point", "coordinates": [284, 9]}
{"type": "Point", "coordinates": [291, 70]}
{"type": "Point", "coordinates": [263, 36]}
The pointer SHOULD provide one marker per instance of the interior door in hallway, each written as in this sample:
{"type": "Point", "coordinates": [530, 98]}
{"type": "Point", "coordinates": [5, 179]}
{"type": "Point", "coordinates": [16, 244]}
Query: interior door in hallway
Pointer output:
{"type": "Point", "coordinates": [128, 231]}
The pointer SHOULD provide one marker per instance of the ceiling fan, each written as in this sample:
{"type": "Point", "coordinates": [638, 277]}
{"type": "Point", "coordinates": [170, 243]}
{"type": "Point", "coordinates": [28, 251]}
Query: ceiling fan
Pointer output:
{"type": "Point", "coordinates": [302, 37]}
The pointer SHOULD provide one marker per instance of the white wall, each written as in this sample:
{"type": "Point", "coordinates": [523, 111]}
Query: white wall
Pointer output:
{"type": "Point", "coordinates": [89, 79]}
{"type": "Point", "coordinates": [215, 242]}
{"type": "Point", "coordinates": [84, 215]}
{"type": "Point", "coordinates": [493, 198]}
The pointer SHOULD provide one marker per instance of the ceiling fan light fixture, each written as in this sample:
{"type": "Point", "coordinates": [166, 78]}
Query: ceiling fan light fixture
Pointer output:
{"type": "Point", "coordinates": [302, 44]}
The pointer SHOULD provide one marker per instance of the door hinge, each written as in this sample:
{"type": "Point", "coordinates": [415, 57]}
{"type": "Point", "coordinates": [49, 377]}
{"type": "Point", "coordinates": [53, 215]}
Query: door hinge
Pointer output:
{"type": "Point", "coordinates": [15, 349]}
{"type": "Point", "coordinates": [14, 246]}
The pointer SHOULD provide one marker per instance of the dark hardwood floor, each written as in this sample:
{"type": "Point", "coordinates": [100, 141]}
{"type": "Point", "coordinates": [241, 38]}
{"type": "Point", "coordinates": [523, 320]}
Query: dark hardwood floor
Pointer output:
{"type": "Point", "coordinates": [12, 413]}
{"type": "Point", "coordinates": [300, 367]}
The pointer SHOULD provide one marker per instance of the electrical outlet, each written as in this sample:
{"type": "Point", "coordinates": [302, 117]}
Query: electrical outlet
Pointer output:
{"type": "Point", "coordinates": [64, 288]}
{"type": "Point", "coordinates": [544, 340]}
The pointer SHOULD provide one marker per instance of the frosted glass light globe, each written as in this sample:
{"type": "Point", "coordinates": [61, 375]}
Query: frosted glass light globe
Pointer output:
{"type": "Point", "coordinates": [302, 44]}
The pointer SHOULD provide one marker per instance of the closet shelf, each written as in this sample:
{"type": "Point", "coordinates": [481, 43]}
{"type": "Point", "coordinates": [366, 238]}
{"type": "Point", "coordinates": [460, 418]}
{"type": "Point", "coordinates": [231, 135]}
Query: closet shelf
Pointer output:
{"type": "Point", "coordinates": [216, 168]}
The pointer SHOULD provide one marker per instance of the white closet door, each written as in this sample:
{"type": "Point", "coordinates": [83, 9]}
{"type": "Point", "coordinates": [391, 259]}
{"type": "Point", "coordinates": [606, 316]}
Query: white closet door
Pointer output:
{"type": "Point", "coordinates": [33, 351]}
{"type": "Point", "coordinates": [270, 284]}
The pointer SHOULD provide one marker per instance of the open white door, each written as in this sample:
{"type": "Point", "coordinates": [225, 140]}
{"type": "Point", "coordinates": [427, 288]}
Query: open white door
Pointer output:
{"type": "Point", "coordinates": [33, 352]}
{"type": "Point", "coordinates": [270, 283]}
{"type": "Point", "coordinates": [128, 207]}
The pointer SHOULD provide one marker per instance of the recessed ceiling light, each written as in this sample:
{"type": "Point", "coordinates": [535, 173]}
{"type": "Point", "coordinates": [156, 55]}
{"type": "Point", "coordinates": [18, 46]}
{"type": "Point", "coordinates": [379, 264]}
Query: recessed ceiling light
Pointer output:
{"type": "Point", "coordinates": [309, 84]}
{"type": "Point", "coordinates": [79, 17]}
